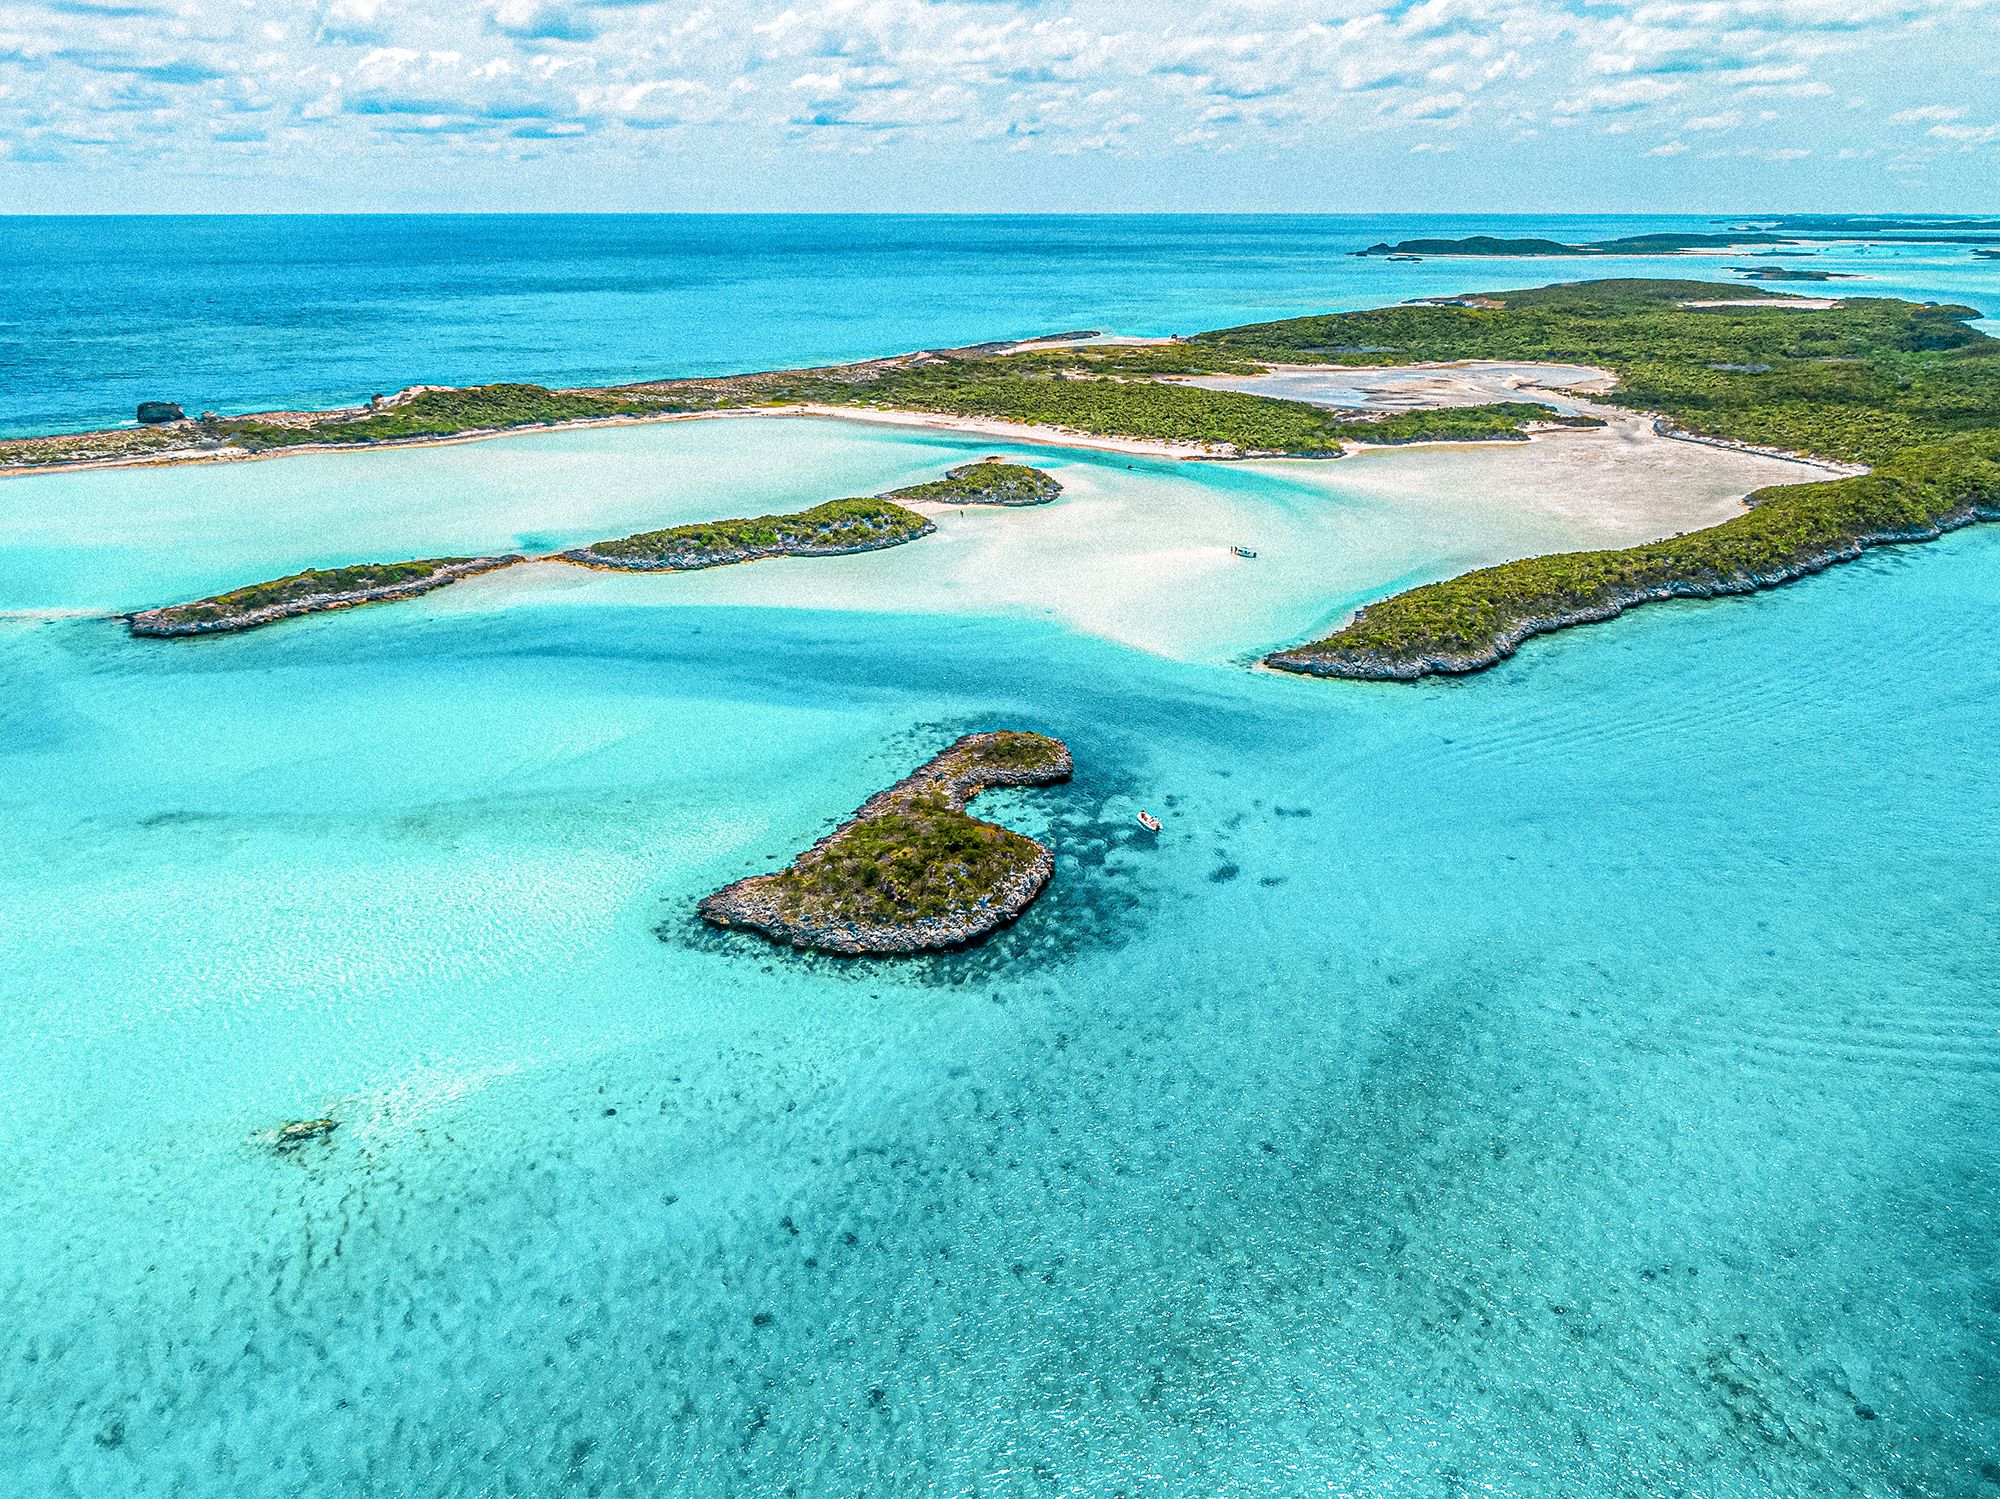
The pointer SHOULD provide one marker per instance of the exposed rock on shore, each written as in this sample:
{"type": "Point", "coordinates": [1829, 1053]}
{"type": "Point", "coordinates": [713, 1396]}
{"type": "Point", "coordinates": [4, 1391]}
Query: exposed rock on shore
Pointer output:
{"type": "Point", "coordinates": [311, 592]}
{"type": "Point", "coordinates": [911, 871]}
{"type": "Point", "coordinates": [158, 413]}
{"type": "Point", "coordinates": [291, 1136]}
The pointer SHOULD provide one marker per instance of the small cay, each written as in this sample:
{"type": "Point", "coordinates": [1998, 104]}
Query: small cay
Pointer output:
{"type": "Point", "coordinates": [991, 481]}
{"type": "Point", "coordinates": [911, 871]}
{"type": "Point", "coordinates": [310, 592]}
{"type": "Point", "coordinates": [830, 530]}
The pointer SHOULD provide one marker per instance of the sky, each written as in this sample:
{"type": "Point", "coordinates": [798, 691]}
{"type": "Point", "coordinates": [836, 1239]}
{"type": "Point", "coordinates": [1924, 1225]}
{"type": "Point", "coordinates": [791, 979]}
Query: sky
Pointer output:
{"type": "Point", "coordinates": [1011, 105]}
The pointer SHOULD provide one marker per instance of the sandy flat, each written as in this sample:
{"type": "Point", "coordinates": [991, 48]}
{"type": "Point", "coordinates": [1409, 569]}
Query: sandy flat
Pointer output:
{"type": "Point", "coordinates": [1138, 551]}
{"type": "Point", "coordinates": [1615, 485]}
{"type": "Point", "coordinates": [1412, 387]}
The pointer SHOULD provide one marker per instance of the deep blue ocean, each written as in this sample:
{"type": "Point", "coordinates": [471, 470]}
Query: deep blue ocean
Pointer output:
{"type": "Point", "coordinates": [251, 313]}
{"type": "Point", "coordinates": [1579, 1079]}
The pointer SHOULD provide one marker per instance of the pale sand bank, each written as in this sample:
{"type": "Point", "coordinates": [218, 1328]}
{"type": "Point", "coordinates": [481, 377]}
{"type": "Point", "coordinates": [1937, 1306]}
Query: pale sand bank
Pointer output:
{"type": "Point", "coordinates": [1413, 387]}
{"type": "Point", "coordinates": [1483, 382]}
{"type": "Point", "coordinates": [1615, 485]}
{"type": "Point", "coordinates": [1142, 556]}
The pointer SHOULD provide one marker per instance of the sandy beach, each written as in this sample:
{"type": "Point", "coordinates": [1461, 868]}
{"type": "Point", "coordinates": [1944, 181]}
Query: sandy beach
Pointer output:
{"type": "Point", "coordinates": [1011, 431]}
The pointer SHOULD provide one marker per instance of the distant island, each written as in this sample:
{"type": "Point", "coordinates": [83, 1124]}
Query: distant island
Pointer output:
{"type": "Point", "coordinates": [911, 871]}
{"type": "Point", "coordinates": [1869, 224]}
{"type": "Point", "coordinates": [1779, 233]}
{"type": "Point", "coordinates": [1789, 273]}
{"type": "Point", "coordinates": [1633, 244]}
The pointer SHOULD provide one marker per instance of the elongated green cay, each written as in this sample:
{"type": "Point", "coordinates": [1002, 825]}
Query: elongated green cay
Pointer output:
{"type": "Point", "coordinates": [1907, 388]}
{"type": "Point", "coordinates": [988, 483]}
{"type": "Point", "coordinates": [833, 529]}
{"type": "Point", "coordinates": [310, 592]}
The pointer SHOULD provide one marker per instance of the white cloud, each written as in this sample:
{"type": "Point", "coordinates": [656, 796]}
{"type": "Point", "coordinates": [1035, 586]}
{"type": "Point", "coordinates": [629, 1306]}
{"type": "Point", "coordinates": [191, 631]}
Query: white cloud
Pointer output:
{"type": "Point", "coordinates": [1602, 98]}
{"type": "Point", "coordinates": [944, 76]}
{"type": "Point", "coordinates": [1434, 106]}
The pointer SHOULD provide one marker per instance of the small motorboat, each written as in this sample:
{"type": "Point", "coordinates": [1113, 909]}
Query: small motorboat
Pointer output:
{"type": "Point", "coordinates": [1243, 551]}
{"type": "Point", "coordinates": [1149, 822]}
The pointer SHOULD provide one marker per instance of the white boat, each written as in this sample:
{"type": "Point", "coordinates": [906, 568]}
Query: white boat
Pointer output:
{"type": "Point", "coordinates": [1243, 551]}
{"type": "Point", "coordinates": [1149, 822]}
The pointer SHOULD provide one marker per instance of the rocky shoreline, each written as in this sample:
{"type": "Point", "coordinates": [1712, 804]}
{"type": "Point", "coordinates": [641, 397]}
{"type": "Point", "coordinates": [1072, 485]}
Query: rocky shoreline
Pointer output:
{"type": "Point", "coordinates": [178, 620]}
{"type": "Point", "coordinates": [835, 898]}
{"type": "Point", "coordinates": [1363, 664]}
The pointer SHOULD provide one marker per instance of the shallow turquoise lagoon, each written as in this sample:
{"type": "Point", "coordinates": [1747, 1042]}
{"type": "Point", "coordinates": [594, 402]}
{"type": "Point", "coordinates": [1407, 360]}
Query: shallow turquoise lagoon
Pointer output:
{"type": "Point", "coordinates": [1137, 549]}
{"type": "Point", "coordinates": [126, 538]}
{"type": "Point", "coordinates": [1578, 1079]}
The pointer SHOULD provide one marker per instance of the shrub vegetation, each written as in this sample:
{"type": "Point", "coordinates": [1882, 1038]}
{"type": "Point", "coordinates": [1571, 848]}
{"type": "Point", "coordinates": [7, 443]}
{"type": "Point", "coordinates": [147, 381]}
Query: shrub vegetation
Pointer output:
{"type": "Point", "coordinates": [1905, 387]}
{"type": "Point", "coordinates": [837, 526]}
{"type": "Point", "coordinates": [986, 483]}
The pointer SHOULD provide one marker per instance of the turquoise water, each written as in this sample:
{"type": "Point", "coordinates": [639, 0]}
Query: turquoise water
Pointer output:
{"type": "Point", "coordinates": [1576, 1079]}
{"type": "Point", "coordinates": [1581, 1078]}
